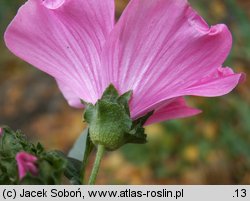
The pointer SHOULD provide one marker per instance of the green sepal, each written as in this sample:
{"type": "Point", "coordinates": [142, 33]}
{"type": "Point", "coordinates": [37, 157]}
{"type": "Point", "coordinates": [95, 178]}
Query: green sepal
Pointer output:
{"type": "Point", "coordinates": [110, 94]}
{"type": "Point", "coordinates": [110, 123]}
{"type": "Point", "coordinates": [124, 100]}
{"type": "Point", "coordinates": [137, 133]}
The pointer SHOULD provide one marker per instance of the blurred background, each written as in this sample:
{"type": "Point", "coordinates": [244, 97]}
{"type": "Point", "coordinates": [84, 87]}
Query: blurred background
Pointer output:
{"type": "Point", "coordinates": [211, 148]}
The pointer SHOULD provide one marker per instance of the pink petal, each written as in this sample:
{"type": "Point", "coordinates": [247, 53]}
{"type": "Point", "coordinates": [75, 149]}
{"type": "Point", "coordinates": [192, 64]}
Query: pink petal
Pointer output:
{"type": "Point", "coordinates": [31, 167]}
{"type": "Point", "coordinates": [64, 38]}
{"type": "Point", "coordinates": [26, 163]}
{"type": "Point", "coordinates": [220, 82]}
{"type": "Point", "coordinates": [176, 109]}
{"type": "Point", "coordinates": [159, 48]}
{"type": "Point", "coordinates": [1, 131]}
{"type": "Point", "coordinates": [68, 93]}
{"type": "Point", "coordinates": [53, 4]}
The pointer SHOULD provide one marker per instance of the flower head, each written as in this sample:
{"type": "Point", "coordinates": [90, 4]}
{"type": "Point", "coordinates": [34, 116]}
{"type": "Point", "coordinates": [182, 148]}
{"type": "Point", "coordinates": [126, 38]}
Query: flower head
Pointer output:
{"type": "Point", "coordinates": [1, 131]}
{"type": "Point", "coordinates": [162, 50]}
{"type": "Point", "coordinates": [26, 163]}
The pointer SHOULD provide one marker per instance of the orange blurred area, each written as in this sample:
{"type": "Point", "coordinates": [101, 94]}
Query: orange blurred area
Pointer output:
{"type": "Point", "coordinates": [211, 148]}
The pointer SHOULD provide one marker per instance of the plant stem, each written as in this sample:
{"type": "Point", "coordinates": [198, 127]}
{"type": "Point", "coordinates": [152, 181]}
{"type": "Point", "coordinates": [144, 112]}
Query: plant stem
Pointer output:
{"type": "Point", "coordinates": [99, 154]}
{"type": "Point", "coordinates": [87, 151]}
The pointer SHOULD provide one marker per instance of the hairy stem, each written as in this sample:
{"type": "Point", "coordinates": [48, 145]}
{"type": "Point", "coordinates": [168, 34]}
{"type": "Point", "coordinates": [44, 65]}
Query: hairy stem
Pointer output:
{"type": "Point", "coordinates": [99, 155]}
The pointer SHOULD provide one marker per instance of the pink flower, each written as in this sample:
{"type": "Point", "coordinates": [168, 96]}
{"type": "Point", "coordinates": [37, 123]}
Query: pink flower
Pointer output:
{"type": "Point", "coordinates": [161, 49]}
{"type": "Point", "coordinates": [1, 131]}
{"type": "Point", "coordinates": [26, 163]}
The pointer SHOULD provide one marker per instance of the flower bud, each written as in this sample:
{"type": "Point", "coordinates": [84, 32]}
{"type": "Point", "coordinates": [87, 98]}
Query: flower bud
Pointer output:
{"type": "Point", "coordinates": [26, 163]}
{"type": "Point", "coordinates": [110, 123]}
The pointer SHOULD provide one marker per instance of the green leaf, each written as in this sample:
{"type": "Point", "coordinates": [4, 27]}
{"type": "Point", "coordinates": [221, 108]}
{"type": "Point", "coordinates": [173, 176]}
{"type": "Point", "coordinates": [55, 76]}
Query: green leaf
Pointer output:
{"type": "Point", "coordinates": [80, 152]}
{"type": "Point", "coordinates": [51, 167]}
{"type": "Point", "coordinates": [73, 171]}
{"type": "Point", "coordinates": [8, 170]}
{"type": "Point", "coordinates": [88, 149]}
{"type": "Point", "coordinates": [79, 147]}
{"type": "Point", "coordinates": [31, 180]}
{"type": "Point", "coordinates": [12, 142]}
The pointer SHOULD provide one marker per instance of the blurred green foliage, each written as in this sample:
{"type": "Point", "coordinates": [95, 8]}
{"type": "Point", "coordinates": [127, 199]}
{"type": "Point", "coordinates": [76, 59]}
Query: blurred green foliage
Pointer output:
{"type": "Point", "coordinates": [211, 148]}
{"type": "Point", "coordinates": [8, 9]}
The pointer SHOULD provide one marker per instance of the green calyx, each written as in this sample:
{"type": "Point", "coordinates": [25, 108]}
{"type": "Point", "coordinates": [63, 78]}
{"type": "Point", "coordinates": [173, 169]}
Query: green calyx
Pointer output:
{"type": "Point", "coordinates": [110, 123]}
